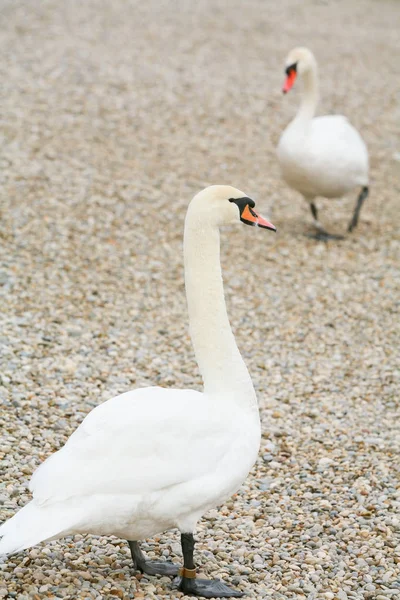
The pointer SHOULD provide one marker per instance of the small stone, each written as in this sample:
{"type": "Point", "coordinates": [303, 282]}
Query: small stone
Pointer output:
{"type": "Point", "coordinates": [115, 592]}
{"type": "Point", "coordinates": [325, 462]}
{"type": "Point", "coordinates": [274, 464]}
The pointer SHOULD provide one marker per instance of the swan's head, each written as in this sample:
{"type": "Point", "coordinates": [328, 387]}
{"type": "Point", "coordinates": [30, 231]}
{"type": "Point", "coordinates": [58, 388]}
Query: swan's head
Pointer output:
{"type": "Point", "coordinates": [222, 204]}
{"type": "Point", "coordinates": [298, 62]}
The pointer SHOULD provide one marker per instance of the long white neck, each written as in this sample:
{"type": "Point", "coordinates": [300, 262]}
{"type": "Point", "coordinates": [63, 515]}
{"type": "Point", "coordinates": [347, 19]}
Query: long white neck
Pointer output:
{"type": "Point", "coordinates": [221, 365]}
{"type": "Point", "coordinates": [310, 96]}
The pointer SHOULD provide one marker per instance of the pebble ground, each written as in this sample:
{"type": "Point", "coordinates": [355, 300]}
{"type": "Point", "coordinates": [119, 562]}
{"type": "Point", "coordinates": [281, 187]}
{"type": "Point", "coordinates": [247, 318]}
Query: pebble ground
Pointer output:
{"type": "Point", "coordinates": [113, 114]}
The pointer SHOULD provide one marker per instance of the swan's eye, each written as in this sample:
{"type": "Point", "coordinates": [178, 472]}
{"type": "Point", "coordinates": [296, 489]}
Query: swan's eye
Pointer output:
{"type": "Point", "coordinates": [242, 203]}
{"type": "Point", "coordinates": [291, 69]}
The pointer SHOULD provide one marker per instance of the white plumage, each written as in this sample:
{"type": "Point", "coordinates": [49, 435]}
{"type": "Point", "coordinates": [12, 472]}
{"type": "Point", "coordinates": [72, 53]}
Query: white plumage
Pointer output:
{"type": "Point", "coordinates": [143, 462]}
{"type": "Point", "coordinates": [320, 156]}
{"type": "Point", "coordinates": [153, 458]}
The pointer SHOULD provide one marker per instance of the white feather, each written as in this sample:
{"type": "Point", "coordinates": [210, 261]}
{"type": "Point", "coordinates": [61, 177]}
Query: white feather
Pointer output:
{"type": "Point", "coordinates": [153, 458]}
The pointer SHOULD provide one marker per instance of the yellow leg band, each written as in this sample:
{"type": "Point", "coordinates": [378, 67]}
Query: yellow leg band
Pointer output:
{"type": "Point", "coordinates": [188, 573]}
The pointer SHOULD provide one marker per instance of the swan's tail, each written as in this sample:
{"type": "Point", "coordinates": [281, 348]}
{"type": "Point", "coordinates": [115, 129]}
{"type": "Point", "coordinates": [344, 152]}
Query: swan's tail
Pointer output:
{"type": "Point", "coordinates": [31, 525]}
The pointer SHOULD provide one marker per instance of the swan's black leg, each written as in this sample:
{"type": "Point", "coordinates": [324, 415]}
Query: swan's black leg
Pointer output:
{"type": "Point", "coordinates": [190, 585]}
{"type": "Point", "coordinates": [321, 234]}
{"type": "Point", "coordinates": [363, 195]}
{"type": "Point", "coordinates": [151, 567]}
{"type": "Point", "coordinates": [314, 211]}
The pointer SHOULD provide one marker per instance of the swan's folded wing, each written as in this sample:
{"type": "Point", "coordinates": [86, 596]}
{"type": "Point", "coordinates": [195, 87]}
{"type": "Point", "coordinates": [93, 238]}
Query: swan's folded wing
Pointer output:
{"type": "Point", "coordinates": [137, 443]}
{"type": "Point", "coordinates": [335, 151]}
{"type": "Point", "coordinates": [335, 133]}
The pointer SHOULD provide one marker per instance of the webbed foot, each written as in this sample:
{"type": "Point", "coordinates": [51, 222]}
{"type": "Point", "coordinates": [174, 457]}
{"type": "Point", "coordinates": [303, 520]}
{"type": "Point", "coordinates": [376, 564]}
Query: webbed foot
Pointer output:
{"type": "Point", "coordinates": [324, 236]}
{"type": "Point", "coordinates": [158, 567]}
{"type": "Point", "coordinates": [151, 567]}
{"type": "Point", "coordinates": [208, 588]}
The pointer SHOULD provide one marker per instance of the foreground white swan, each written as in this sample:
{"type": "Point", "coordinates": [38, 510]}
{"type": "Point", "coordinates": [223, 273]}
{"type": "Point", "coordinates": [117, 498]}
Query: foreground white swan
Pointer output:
{"type": "Point", "coordinates": [322, 156]}
{"type": "Point", "coordinates": [154, 458]}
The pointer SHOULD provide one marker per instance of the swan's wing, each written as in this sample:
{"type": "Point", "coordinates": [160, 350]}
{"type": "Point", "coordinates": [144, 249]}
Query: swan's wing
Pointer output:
{"type": "Point", "coordinates": [136, 443]}
{"type": "Point", "coordinates": [337, 135]}
{"type": "Point", "coordinates": [335, 152]}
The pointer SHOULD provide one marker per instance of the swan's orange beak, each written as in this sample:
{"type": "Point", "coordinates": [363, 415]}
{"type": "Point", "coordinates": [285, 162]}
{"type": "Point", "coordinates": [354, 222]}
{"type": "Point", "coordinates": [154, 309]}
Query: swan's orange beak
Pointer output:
{"type": "Point", "coordinates": [250, 217]}
{"type": "Point", "coordinates": [290, 79]}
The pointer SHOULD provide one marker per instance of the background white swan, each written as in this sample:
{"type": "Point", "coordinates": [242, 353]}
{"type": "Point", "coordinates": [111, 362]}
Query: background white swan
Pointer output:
{"type": "Point", "coordinates": [321, 156]}
{"type": "Point", "coordinates": [153, 458]}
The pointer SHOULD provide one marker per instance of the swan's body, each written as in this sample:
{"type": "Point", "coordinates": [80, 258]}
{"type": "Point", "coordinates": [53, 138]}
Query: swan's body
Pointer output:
{"type": "Point", "coordinates": [320, 156]}
{"type": "Point", "coordinates": [325, 157]}
{"type": "Point", "coordinates": [139, 464]}
{"type": "Point", "coordinates": [153, 459]}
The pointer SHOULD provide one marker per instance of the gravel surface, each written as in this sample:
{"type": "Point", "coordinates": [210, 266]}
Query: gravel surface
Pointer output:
{"type": "Point", "coordinates": [113, 114]}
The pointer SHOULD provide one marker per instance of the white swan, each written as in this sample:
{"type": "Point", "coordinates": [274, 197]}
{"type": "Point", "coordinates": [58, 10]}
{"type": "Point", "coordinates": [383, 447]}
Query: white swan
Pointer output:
{"type": "Point", "coordinates": [320, 156]}
{"type": "Point", "coordinates": [153, 459]}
